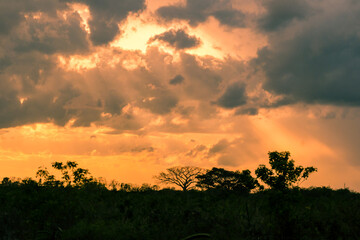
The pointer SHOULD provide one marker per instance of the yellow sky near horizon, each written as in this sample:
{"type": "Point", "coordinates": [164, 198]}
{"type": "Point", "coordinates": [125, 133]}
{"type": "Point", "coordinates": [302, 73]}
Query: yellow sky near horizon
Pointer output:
{"type": "Point", "coordinates": [124, 157]}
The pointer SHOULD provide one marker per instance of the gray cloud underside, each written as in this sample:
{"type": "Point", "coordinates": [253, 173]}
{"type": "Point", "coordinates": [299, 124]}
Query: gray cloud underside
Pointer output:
{"type": "Point", "coordinates": [234, 96]}
{"type": "Point", "coordinates": [49, 33]}
{"type": "Point", "coordinates": [34, 89]}
{"type": "Point", "coordinates": [219, 147]}
{"type": "Point", "coordinates": [178, 79]}
{"type": "Point", "coordinates": [12, 12]}
{"type": "Point", "coordinates": [313, 56]}
{"type": "Point", "coordinates": [247, 111]}
{"type": "Point", "coordinates": [39, 108]}
{"type": "Point", "coordinates": [280, 13]}
{"type": "Point", "coordinates": [317, 59]}
{"type": "Point", "coordinates": [163, 103]}
{"type": "Point", "coordinates": [233, 152]}
{"type": "Point", "coordinates": [178, 39]}
{"type": "Point", "coordinates": [198, 11]}
{"type": "Point", "coordinates": [32, 34]}
{"type": "Point", "coordinates": [52, 35]}
{"type": "Point", "coordinates": [106, 14]}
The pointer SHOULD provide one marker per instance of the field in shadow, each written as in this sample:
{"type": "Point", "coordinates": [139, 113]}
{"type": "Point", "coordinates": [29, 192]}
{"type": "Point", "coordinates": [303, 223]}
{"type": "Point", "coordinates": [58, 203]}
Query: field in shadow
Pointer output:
{"type": "Point", "coordinates": [32, 211]}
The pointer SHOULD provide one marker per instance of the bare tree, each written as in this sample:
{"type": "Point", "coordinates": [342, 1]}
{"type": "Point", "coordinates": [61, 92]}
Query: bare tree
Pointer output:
{"type": "Point", "coordinates": [183, 177]}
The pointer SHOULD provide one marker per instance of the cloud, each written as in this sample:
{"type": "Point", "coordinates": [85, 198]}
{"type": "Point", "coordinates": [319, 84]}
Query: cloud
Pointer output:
{"type": "Point", "coordinates": [43, 78]}
{"type": "Point", "coordinates": [198, 149]}
{"type": "Point", "coordinates": [178, 79]}
{"type": "Point", "coordinates": [234, 96]}
{"type": "Point", "coordinates": [105, 16]}
{"type": "Point", "coordinates": [177, 39]}
{"type": "Point", "coordinates": [142, 149]}
{"type": "Point", "coordinates": [44, 26]}
{"type": "Point", "coordinates": [161, 104]}
{"type": "Point", "coordinates": [49, 35]}
{"type": "Point", "coordinates": [113, 103]}
{"type": "Point", "coordinates": [219, 147]}
{"type": "Point", "coordinates": [198, 11]}
{"type": "Point", "coordinates": [123, 122]}
{"type": "Point", "coordinates": [230, 17]}
{"type": "Point", "coordinates": [110, 95]}
{"type": "Point", "coordinates": [9, 16]}
{"type": "Point", "coordinates": [40, 107]}
{"type": "Point", "coordinates": [316, 60]}
{"type": "Point", "coordinates": [12, 12]}
{"type": "Point", "coordinates": [198, 76]}
{"type": "Point", "coordinates": [233, 152]}
{"type": "Point", "coordinates": [247, 111]}
{"type": "Point", "coordinates": [280, 13]}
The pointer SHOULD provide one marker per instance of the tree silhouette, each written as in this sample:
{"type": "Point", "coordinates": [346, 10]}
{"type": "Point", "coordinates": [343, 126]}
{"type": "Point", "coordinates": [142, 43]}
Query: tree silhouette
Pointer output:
{"type": "Point", "coordinates": [283, 173]}
{"type": "Point", "coordinates": [183, 177]}
{"type": "Point", "coordinates": [72, 175]}
{"type": "Point", "coordinates": [219, 178]}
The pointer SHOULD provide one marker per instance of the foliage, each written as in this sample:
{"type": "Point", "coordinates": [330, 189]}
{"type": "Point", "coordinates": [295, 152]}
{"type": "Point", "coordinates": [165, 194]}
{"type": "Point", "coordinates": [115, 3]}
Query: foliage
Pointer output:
{"type": "Point", "coordinates": [219, 178]}
{"type": "Point", "coordinates": [283, 173]}
{"type": "Point", "coordinates": [46, 212]}
{"type": "Point", "coordinates": [42, 210]}
{"type": "Point", "coordinates": [184, 177]}
{"type": "Point", "coordinates": [127, 187]}
{"type": "Point", "coordinates": [72, 175]}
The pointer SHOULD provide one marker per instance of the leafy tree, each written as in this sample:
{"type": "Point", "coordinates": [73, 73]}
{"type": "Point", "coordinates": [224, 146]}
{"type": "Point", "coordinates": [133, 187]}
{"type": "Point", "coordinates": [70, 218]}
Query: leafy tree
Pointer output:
{"type": "Point", "coordinates": [72, 175]}
{"type": "Point", "coordinates": [283, 173]}
{"type": "Point", "coordinates": [6, 181]}
{"type": "Point", "coordinates": [219, 178]}
{"type": "Point", "coordinates": [184, 177]}
{"type": "Point", "coordinates": [45, 178]}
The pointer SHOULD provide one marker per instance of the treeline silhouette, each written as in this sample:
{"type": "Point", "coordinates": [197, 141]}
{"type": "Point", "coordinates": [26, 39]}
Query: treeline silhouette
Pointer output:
{"type": "Point", "coordinates": [214, 204]}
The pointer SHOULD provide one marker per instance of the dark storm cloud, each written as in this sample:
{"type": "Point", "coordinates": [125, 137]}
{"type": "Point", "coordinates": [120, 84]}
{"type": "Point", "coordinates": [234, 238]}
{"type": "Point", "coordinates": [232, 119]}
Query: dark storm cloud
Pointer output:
{"type": "Point", "coordinates": [198, 11]}
{"type": "Point", "coordinates": [178, 79]}
{"type": "Point", "coordinates": [319, 62]}
{"type": "Point", "coordinates": [50, 35]}
{"type": "Point", "coordinates": [163, 103]}
{"type": "Point", "coordinates": [9, 15]}
{"type": "Point", "coordinates": [233, 96]}
{"type": "Point", "coordinates": [33, 88]}
{"type": "Point", "coordinates": [12, 12]}
{"type": "Point", "coordinates": [113, 103]}
{"type": "Point", "coordinates": [178, 39]}
{"type": "Point", "coordinates": [279, 13]}
{"type": "Point", "coordinates": [230, 17]}
{"type": "Point", "coordinates": [193, 11]}
{"type": "Point", "coordinates": [41, 107]}
{"type": "Point", "coordinates": [37, 25]}
{"type": "Point", "coordinates": [27, 70]}
{"type": "Point", "coordinates": [105, 16]}
{"type": "Point", "coordinates": [247, 111]}
{"type": "Point", "coordinates": [123, 122]}
{"type": "Point", "coordinates": [84, 117]}
{"type": "Point", "coordinates": [199, 77]}
{"type": "Point", "coordinates": [4, 62]}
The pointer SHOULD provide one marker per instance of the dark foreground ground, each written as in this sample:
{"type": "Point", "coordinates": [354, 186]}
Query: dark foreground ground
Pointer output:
{"type": "Point", "coordinates": [32, 212]}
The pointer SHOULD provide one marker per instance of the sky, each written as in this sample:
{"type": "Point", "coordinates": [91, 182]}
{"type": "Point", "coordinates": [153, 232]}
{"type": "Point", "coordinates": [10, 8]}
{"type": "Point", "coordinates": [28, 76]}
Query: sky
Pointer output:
{"type": "Point", "coordinates": [128, 88]}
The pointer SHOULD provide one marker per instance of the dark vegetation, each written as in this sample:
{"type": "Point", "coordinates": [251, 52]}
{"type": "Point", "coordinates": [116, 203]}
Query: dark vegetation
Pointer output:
{"type": "Point", "coordinates": [218, 204]}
